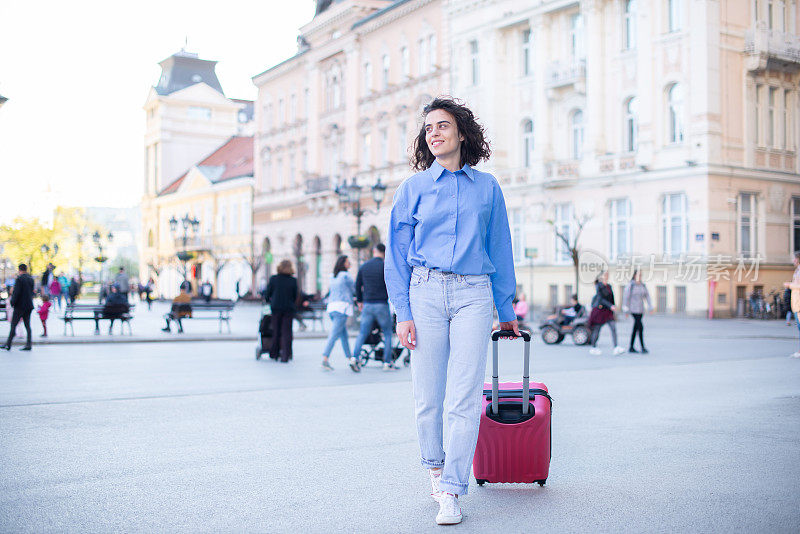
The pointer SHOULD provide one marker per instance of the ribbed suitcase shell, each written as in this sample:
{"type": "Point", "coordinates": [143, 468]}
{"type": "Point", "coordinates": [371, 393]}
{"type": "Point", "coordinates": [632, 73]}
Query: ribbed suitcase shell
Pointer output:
{"type": "Point", "coordinates": [514, 452]}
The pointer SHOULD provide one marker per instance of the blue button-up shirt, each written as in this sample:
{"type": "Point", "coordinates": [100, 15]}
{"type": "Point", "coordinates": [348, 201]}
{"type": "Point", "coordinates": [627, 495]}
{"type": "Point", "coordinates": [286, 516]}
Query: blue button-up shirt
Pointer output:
{"type": "Point", "coordinates": [455, 222]}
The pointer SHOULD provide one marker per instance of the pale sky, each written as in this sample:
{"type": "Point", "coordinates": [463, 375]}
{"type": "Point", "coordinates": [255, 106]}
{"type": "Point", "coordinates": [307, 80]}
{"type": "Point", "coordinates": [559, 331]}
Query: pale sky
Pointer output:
{"type": "Point", "coordinates": [77, 74]}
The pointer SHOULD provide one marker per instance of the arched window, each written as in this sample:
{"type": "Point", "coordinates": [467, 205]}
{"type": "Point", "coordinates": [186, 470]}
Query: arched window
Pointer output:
{"type": "Point", "coordinates": [629, 38]}
{"type": "Point", "coordinates": [150, 239]}
{"type": "Point", "coordinates": [527, 143]}
{"type": "Point", "coordinates": [631, 124]}
{"type": "Point", "coordinates": [577, 134]}
{"type": "Point", "coordinates": [675, 113]}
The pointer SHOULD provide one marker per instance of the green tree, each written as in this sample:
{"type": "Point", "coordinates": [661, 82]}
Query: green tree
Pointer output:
{"type": "Point", "coordinates": [22, 242]}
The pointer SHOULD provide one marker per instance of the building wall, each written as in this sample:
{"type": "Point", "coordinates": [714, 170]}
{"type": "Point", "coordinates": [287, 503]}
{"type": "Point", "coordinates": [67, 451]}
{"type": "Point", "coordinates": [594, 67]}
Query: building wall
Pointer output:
{"type": "Point", "coordinates": [351, 127]}
{"type": "Point", "coordinates": [224, 237]}
{"type": "Point", "coordinates": [716, 160]}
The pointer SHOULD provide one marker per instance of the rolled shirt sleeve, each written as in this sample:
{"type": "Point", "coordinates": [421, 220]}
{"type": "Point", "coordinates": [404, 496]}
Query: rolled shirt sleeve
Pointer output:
{"type": "Point", "coordinates": [498, 248]}
{"type": "Point", "coordinates": [397, 271]}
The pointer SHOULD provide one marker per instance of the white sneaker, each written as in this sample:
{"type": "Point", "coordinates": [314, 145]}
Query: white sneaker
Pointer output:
{"type": "Point", "coordinates": [435, 475]}
{"type": "Point", "coordinates": [595, 351]}
{"type": "Point", "coordinates": [618, 351]}
{"type": "Point", "coordinates": [449, 510]}
{"type": "Point", "coordinates": [389, 367]}
{"type": "Point", "coordinates": [795, 355]}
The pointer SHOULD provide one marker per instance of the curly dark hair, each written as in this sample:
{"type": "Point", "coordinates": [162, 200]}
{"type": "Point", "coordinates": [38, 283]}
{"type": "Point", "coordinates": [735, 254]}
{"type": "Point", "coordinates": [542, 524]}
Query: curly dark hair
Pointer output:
{"type": "Point", "coordinates": [474, 147]}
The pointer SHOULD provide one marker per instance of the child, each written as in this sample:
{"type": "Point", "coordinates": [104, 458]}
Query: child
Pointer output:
{"type": "Point", "coordinates": [43, 310]}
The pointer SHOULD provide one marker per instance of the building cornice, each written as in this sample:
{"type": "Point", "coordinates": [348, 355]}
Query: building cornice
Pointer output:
{"type": "Point", "coordinates": [388, 15]}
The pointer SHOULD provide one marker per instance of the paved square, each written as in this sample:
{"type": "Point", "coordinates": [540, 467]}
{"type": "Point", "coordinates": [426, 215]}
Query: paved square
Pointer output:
{"type": "Point", "coordinates": [701, 435]}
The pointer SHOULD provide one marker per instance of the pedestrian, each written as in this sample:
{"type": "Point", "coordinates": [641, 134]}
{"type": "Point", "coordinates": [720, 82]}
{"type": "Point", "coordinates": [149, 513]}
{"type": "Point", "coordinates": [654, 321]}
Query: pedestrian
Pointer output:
{"type": "Point", "coordinates": [115, 307]}
{"type": "Point", "coordinates": [237, 289]}
{"type": "Point", "coordinates": [281, 294]}
{"type": "Point", "coordinates": [603, 309]}
{"type": "Point", "coordinates": [520, 307]}
{"type": "Point", "coordinates": [448, 261]}
{"type": "Point", "coordinates": [22, 302]}
{"type": "Point", "coordinates": [148, 293]}
{"type": "Point", "coordinates": [74, 289]}
{"type": "Point", "coordinates": [633, 302]}
{"type": "Point", "coordinates": [64, 282]}
{"type": "Point", "coordinates": [206, 290]}
{"type": "Point", "coordinates": [181, 307]}
{"type": "Point", "coordinates": [373, 301]}
{"type": "Point", "coordinates": [794, 286]}
{"type": "Point", "coordinates": [44, 310]}
{"type": "Point", "coordinates": [123, 283]}
{"type": "Point", "coordinates": [54, 290]}
{"type": "Point", "coordinates": [787, 305]}
{"type": "Point", "coordinates": [340, 307]}
{"type": "Point", "coordinates": [47, 278]}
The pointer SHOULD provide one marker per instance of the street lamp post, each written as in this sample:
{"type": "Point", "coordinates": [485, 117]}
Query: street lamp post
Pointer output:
{"type": "Point", "coordinates": [101, 258]}
{"type": "Point", "coordinates": [350, 202]}
{"type": "Point", "coordinates": [186, 222]}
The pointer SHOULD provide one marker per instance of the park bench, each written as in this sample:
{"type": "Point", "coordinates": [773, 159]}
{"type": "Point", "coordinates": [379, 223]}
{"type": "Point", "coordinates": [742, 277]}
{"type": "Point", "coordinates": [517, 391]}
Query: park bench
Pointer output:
{"type": "Point", "coordinates": [314, 313]}
{"type": "Point", "coordinates": [200, 309]}
{"type": "Point", "coordinates": [97, 312]}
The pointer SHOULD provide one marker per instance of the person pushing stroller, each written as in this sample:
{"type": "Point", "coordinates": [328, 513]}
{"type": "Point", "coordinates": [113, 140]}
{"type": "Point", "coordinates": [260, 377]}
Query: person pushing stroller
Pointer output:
{"type": "Point", "coordinates": [373, 302]}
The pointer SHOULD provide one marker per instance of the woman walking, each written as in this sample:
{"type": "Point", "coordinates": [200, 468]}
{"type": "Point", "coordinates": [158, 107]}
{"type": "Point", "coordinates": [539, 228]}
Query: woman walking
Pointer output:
{"type": "Point", "coordinates": [633, 300]}
{"type": "Point", "coordinates": [281, 293]}
{"type": "Point", "coordinates": [603, 309]}
{"type": "Point", "coordinates": [794, 286]}
{"type": "Point", "coordinates": [448, 264]}
{"type": "Point", "coordinates": [340, 307]}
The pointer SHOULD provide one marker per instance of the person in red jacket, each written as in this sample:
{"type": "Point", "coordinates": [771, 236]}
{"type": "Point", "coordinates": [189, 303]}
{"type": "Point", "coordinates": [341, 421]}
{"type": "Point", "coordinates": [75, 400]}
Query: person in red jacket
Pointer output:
{"type": "Point", "coordinates": [44, 310]}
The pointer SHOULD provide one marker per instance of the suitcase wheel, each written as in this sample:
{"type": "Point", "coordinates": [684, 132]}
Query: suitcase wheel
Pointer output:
{"type": "Point", "coordinates": [541, 482]}
{"type": "Point", "coordinates": [481, 481]}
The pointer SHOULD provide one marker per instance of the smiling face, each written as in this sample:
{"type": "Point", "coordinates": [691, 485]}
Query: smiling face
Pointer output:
{"type": "Point", "coordinates": [442, 135]}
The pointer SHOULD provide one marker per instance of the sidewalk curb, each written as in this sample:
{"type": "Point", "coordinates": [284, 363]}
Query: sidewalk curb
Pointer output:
{"type": "Point", "coordinates": [174, 339]}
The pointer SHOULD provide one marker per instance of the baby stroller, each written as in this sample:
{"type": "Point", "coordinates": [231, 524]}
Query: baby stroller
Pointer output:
{"type": "Point", "coordinates": [264, 331]}
{"type": "Point", "coordinates": [373, 347]}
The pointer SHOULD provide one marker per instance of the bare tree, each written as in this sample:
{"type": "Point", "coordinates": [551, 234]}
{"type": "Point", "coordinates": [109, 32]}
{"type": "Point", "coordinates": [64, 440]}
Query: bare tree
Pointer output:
{"type": "Point", "coordinates": [572, 245]}
{"type": "Point", "coordinates": [254, 261]}
{"type": "Point", "coordinates": [219, 264]}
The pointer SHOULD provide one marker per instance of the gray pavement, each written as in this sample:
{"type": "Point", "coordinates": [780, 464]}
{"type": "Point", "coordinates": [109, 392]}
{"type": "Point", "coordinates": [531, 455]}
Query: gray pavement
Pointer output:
{"type": "Point", "coordinates": [701, 435]}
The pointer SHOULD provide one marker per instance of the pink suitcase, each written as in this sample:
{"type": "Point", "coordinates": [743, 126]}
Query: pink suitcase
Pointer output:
{"type": "Point", "coordinates": [513, 443]}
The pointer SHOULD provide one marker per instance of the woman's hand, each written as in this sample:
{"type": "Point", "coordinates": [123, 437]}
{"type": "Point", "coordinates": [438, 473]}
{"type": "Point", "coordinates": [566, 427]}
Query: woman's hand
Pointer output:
{"type": "Point", "coordinates": [407, 334]}
{"type": "Point", "coordinates": [510, 325]}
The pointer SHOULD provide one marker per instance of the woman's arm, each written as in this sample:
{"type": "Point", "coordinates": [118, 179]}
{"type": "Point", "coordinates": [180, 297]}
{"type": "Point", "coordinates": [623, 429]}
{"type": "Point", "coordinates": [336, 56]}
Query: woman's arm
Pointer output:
{"type": "Point", "coordinates": [498, 248]}
{"type": "Point", "coordinates": [397, 271]}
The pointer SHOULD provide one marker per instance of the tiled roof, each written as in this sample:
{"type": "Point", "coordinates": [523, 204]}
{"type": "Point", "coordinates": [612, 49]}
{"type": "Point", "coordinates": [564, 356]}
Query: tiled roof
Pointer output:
{"type": "Point", "coordinates": [233, 159]}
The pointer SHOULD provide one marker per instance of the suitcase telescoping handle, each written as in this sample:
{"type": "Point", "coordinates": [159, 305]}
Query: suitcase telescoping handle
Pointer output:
{"type": "Point", "coordinates": [526, 336]}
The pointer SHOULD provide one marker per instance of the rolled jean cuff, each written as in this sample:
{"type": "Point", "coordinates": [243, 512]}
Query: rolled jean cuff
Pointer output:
{"type": "Point", "coordinates": [432, 463]}
{"type": "Point", "coordinates": [456, 488]}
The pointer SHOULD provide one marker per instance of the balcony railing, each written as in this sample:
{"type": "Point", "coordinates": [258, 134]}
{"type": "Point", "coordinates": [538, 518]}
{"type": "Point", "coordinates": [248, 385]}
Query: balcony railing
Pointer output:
{"type": "Point", "coordinates": [773, 44]}
{"type": "Point", "coordinates": [559, 74]}
{"type": "Point", "coordinates": [318, 185]}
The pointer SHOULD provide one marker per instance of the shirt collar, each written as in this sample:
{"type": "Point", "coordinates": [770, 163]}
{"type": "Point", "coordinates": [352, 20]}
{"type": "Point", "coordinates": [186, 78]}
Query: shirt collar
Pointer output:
{"type": "Point", "coordinates": [436, 171]}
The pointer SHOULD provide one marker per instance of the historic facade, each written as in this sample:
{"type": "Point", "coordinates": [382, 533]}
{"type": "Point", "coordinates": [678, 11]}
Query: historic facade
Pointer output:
{"type": "Point", "coordinates": [345, 107]}
{"type": "Point", "coordinates": [198, 164]}
{"type": "Point", "coordinates": [671, 135]}
{"type": "Point", "coordinates": [665, 131]}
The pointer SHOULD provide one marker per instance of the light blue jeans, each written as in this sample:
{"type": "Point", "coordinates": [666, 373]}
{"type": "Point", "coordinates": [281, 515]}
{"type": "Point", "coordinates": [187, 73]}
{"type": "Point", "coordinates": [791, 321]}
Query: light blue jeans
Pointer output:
{"type": "Point", "coordinates": [338, 332]}
{"type": "Point", "coordinates": [453, 318]}
{"type": "Point", "coordinates": [376, 312]}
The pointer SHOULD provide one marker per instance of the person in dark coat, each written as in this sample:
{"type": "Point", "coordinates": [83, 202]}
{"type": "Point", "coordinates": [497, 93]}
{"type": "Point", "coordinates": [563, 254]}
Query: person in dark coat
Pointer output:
{"type": "Point", "coordinates": [116, 306]}
{"type": "Point", "coordinates": [281, 294]}
{"type": "Point", "coordinates": [603, 308]}
{"type": "Point", "coordinates": [22, 302]}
